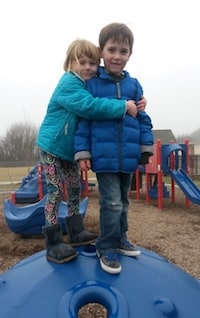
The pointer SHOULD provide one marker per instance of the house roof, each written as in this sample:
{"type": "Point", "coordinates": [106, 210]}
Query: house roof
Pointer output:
{"type": "Point", "coordinates": [165, 135]}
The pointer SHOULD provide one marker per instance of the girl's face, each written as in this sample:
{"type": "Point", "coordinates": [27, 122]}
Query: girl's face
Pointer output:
{"type": "Point", "coordinates": [85, 67]}
{"type": "Point", "coordinates": [115, 56]}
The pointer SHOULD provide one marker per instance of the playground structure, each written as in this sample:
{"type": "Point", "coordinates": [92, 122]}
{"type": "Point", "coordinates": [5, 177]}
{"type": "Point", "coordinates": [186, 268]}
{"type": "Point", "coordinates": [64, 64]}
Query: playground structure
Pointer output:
{"type": "Point", "coordinates": [169, 159]}
{"type": "Point", "coordinates": [148, 286]}
{"type": "Point", "coordinates": [173, 160]}
{"type": "Point", "coordinates": [33, 187]}
{"type": "Point", "coordinates": [28, 220]}
{"type": "Point", "coordinates": [24, 213]}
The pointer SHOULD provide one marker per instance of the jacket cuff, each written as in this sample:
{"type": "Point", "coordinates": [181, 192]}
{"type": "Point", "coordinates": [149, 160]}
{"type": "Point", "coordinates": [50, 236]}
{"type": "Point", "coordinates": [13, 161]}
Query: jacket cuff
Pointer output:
{"type": "Point", "coordinates": [147, 148]}
{"type": "Point", "coordinates": [82, 155]}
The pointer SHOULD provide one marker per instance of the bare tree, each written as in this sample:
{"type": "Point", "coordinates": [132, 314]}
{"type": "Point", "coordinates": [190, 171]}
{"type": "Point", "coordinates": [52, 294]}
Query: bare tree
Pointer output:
{"type": "Point", "coordinates": [19, 143]}
{"type": "Point", "coordinates": [181, 138]}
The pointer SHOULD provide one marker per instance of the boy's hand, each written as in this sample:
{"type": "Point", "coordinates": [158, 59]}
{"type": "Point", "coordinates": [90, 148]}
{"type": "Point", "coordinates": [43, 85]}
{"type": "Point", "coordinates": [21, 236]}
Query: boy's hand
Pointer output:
{"type": "Point", "coordinates": [84, 164]}
{"type": "Point", "coordinates": [131, 108]}
{"type": "Point", "coordinates": [141, 105]}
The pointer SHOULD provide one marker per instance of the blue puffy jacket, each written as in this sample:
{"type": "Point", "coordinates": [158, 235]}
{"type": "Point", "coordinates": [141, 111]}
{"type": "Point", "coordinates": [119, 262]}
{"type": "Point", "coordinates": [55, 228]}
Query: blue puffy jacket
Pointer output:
{"type": "Point", "coordinates": [114, 145]}
{"type": "Point", "coordinates": [69, 100]}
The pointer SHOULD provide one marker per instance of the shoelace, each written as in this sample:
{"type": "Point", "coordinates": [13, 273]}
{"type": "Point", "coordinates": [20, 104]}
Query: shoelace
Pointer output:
{"type": "Point", "coordinates": [128, 244]}
{"type": "Point", "coordinates": [111, 256]}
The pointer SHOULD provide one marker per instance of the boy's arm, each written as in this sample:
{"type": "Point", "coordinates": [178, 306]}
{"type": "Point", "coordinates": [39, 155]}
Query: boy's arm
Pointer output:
{"type": "Point", "coordinates": [141, 104]}
{"type": "Point", "coordinates": [146, 137]}
{"type": "Point", "coordinates": [146, 134]}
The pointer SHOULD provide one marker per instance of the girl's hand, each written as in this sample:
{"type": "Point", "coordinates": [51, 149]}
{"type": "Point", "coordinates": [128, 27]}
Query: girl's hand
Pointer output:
{"type": "Point", "coordinates": [131, 108]}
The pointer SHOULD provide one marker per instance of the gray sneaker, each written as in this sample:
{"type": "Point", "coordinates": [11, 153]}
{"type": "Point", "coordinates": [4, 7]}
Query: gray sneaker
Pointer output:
{"type": "Point", "coordinates": [128, 249]}
{"type": "Point", "coordinates": [109, 263]}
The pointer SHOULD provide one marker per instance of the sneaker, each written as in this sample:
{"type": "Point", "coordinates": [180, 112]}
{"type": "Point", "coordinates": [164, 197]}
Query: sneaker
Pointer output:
{"type": "Point", "coordinates": [128, 249]}
{"type": "Point", "coordinates": [109, 263]}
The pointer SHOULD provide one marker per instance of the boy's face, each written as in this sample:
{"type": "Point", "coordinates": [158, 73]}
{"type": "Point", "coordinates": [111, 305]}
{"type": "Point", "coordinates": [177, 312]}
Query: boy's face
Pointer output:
{"type": "Point", "coordinates": [115, 56]}
{"type": "Point", "coordinates": [85, 67]}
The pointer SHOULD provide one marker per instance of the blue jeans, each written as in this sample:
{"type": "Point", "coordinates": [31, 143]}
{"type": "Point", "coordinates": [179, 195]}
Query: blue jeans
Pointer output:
{"type": "Point", "coordinates": [114, 202]}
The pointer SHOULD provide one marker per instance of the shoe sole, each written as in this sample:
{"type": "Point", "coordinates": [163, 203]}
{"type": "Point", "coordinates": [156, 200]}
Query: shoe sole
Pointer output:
{"type": "Point", "coordinates": [76, 244]}
{"type": "Point", "coordinates": [62, 261]}
{"type": "Point", "coordinates": [129, 253]}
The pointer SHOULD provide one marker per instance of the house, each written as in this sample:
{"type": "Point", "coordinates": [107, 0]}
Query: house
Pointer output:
{"type": "Point", "coordinates": [165, 135]}
{"type": "Point", "coordinates": [194, 148]}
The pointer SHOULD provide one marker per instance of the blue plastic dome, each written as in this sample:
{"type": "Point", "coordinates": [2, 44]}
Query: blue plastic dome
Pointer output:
{"type": "Point", "coordinates": [148, 287]}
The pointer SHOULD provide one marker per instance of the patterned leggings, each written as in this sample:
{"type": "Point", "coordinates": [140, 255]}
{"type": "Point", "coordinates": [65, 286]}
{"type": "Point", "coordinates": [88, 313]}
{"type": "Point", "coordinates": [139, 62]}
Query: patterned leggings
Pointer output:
{"type": "Point", "coordinates": [60, 174]}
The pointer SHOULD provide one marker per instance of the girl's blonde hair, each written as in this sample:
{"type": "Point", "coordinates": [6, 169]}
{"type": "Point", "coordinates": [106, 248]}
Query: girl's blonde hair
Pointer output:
{"type": "Point", "coordinates": [80, 48]}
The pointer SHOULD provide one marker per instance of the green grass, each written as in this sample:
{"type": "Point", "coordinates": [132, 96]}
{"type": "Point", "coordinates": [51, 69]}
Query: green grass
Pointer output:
{"type": "Point", "coordinates": [10, 175]}
{"type": "Point", "coordinates": [13, 174]}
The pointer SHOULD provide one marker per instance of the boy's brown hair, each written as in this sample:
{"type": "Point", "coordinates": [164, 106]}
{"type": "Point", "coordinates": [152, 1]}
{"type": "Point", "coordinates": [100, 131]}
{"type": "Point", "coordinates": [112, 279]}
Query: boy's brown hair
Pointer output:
{"type": "Point", "coordinates": [118, 32]}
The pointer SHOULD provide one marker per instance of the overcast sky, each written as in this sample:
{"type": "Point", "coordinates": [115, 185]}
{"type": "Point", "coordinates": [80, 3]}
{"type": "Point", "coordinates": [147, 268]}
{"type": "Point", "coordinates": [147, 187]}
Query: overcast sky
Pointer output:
{"type": "Point", "coordinates": [35, 35]}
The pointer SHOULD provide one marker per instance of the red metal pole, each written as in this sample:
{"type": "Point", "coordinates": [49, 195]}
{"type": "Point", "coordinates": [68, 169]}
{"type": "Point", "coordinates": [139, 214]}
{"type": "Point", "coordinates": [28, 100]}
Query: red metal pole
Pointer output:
{"type": "Point", "coordinates": [172, 180]}
{"type": "Point", "coordinates": [147, 187]}
{"type": "Point", "coordinates": [40, 188]}
{"type": "Point", "coordinates": [84, 181]}
{"type": "Point", "coordinates": [13, 198]}
{"type": "Point", "coordinates": [137, 181]}
{"type": "Point", "coordinates": [187, 201]}
{"type": "Point", "coordinates": [159, 175]}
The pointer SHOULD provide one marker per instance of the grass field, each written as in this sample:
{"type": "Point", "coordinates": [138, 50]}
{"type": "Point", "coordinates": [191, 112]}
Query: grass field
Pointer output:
{"type": "Point", "coordinates": [13, 174]}
{"type": "Point", "coordinates": [10, 177]}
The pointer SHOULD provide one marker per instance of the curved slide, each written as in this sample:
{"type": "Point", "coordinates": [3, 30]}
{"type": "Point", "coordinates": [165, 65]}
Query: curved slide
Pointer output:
{"type": "Point", "coordinates": [29, 219]}
{"type": "Point", "coordinates": [185, 183]}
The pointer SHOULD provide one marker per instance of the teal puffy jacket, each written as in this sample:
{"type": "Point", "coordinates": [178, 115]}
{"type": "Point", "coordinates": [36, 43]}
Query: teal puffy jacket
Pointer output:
{"type": "Point", "coordinates": [70, 101]}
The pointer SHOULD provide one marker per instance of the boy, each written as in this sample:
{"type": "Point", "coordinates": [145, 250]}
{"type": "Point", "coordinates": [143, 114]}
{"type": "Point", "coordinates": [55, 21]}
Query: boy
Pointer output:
{"type": "Point", "coordinates": [114, 146]}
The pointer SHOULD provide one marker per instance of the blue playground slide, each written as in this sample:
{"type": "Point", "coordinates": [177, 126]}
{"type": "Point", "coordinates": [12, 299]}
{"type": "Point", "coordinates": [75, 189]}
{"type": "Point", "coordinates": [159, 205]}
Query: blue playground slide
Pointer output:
{"type": "Point", "coordinates": [189, 188]}
{"type": "Point", "coordinates": [28, 192]}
